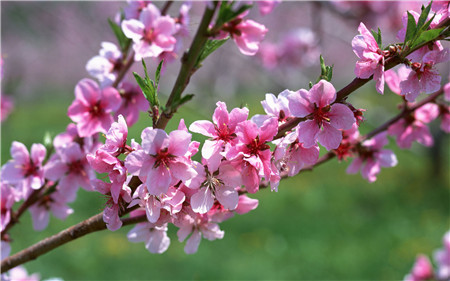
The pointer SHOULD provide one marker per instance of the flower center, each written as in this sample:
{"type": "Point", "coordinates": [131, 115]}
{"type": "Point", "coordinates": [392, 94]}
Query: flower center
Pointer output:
{"type": "Point", "coordinates": [320, 115]}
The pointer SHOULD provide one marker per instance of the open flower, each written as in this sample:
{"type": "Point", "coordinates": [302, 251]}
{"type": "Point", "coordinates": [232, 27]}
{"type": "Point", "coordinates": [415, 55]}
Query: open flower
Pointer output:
{"type": "Point", "coordinates": [371, 59]}
{"type": "Point", "coordinates": [325, 119]}
{"type": "Point", "coordinates": [152, 34]}
{"type": "Point", "coordinates": [25, 170]}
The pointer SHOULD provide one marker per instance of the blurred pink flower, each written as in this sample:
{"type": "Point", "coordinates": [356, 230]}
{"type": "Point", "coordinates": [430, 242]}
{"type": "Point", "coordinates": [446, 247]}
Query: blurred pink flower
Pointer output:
{"type": "Point", "coordinates": [152, 34]}
{"type": "Point", "coordinates": [7, 106]}
{"type": "Point", "coordinates": [105, 66]}
{"type": "Point", "coordinates": [55, 203]}
{"type": "Point", "coordinates": [372, 157]}
{"type": "Point", "coordinates": [423, 78]}
{"type": "Point", "coordinates": [25, 171]}
{"type": "Point", "coordinates": [414, 128]}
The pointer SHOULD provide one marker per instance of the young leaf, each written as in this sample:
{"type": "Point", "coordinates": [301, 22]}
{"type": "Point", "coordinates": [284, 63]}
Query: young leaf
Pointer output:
{"type": "Point", "coordinates": [148, 87]}
{"type": "Point", "coordinates": [124, 41]}
{"type": "Point", "coordinates": [158, 73]}
{"type": "Point", "coordinates": [377, 36]}
{"type": "Point", "coordinates": [423, 16]}
{"type": "Point", "coordinates": [411, 28]}
{"type": "Point", "coordinates": [181, 101]}
{"type": "Point", "coordinates": [209, 48]}
{"type": "Point", "coordinates": [326, 71]}
{"type": "Point", "coordinates": [427, 36]}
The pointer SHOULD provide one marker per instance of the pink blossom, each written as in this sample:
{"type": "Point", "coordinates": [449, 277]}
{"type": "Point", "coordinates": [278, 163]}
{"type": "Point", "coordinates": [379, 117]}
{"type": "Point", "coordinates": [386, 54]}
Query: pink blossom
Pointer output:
{"type": "Point", "coordinates": [7, 199]}
{"type": "Point", "coordinates": [247, 36]}
{"type": "Point", "coordinates": [372, 157]}
{"type": "Point", "coordinates": [350, 139]}
{"type": "Point", "coordinates": [442, 10]}
{"type": "Point", "coordinates": [252, 155]}
{"type": "Point", "coordinates": [152, 34]}
{"type": "Point", "coordinates": [153, 234]}
{"type": "Point", "coordinates": [291, 156]}
{"type": "Point", "coordinates": [25, 171]}
{"type": "Point", "coordinates": [447, 91]}
{"type": "Point", "coordinates": [325, 119]}
{"type": "Point", "coordinates": [55, 203]}
{"type": "Point", "coordinates": [414, 127]}
{"type": "Point", "coordinates": [133, 102]}
{"type": "Point", "coordinates": [246, 204]}
{"type": "Point", "coordinates": [92, 107]}
{"type": "Point", "coordinates": [88, 144]}
{"type": "Point", "coordinates": [421, 271]}
{"type": "Point", "coordinates": [161, 162]}
{"type": "Point", "coordinates": [105, 67]}
{"type": "Point", "coordinates": [442, 258]}
{"type": "Point", "coordinates": [6, 106]}
{"type": "Point", "coordinates": [393, 78]}
{"type": "Point", "coordinates": [222, 132]}
{"type": "Point", "coordinates": [115, 202]}
{"type": "Point", "coordinates": [116, 137]}
{"type": "Point", "coordinates": [134, 8]}
{"type": "Point", "coordinates": [371, 59]}
{"type": "Point", "coordinates": [275, 107]}
{"type": "Point", "coordinates": [196, 226]}
{"type": "Point", "coordinates": [299, 47]}
{"type": "Point", "coordinates": [172, 202]}
{"type": "Point", "coordinates": [70, 167]}
{"type": "Point", "coordinates": [423, 78]}
{"type": "Point", "coordinates": [266, 6]}
{"type": "Point", "coordinates": [220, 184]}
{"type": "Point", "coordinates": [445, 118]}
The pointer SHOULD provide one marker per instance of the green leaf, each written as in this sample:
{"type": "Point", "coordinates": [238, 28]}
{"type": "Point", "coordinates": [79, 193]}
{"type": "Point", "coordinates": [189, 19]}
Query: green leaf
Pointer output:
{"type": "Point", "coordinates": [181, 101]}
{"type": "Point", "coordinates": [148, 87]}
{"type": "Point", "coordinates": [377, 36]}
{"type": "Point", "coordinates": [427, 36]}
{"type": "Point", "coordinates": [124, 41]}
{"type": "Point", "coordinates": [158, 73]}
{"type": "Point", "coordinates": [227, 14]}
{"type": "Point", "coordinates": [326, 71]}
{"type": "Point", "coordinates": [209, 48]}
{"type": "Point", "coordinates": [411, 28]}
{"type": "Point", "coordinates": [423, 15]}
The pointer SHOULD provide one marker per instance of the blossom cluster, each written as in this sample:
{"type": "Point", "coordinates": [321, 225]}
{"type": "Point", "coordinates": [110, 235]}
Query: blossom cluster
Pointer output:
{"type": "Point", "coordinates": [171, 179]}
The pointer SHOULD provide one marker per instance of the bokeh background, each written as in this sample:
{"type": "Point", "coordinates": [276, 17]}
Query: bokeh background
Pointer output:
{"type": "Point", "coordinates": [321, 225]}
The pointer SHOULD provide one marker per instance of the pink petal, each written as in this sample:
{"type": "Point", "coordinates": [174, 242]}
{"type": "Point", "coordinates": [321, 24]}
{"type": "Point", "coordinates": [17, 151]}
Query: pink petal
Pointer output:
{"type": "Point", "coordinates": [111, 99]}
{"type": "Point", "coordinates": [87, 92]}
{"type": "Point", "coordinates": [202, 201]}
{"type": "Point", "coordinates": [227, 196]}
{"type": "Point", "coordinates": [298, 105]}
{"type": "Point", "coordinates": [246, 204]}
{"type": "Point", "coordinates": [133, 29]}
{"type": "Point", "coordinates": [355, 166]}
{"type": "Point", "coordinates": [153, 140]}
{"type": "Point", "coordinates": [179, 142]}
{"type": "Point", "coordinates": [341, 117]}
{"type": "Point", "coordinates": [193, 242]}
{"type": "Point", "coordinates": [322, 93]}
{"type": "Point", "coordinates": [203, 127]}
{"type": "Point", "coordinates": [40, 217]}
{"type": "Point", "coordinates": [38, 152]}
{"type": "Point", "coordinates": [308, 132]}
{"type": "Point", "coordinates": [158, 180]}
{"type": "Point", "coordinates": [330, 137]}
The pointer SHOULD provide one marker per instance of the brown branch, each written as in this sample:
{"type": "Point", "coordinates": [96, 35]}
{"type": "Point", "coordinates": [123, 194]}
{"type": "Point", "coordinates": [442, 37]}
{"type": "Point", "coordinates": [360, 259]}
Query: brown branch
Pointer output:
{"type": "Point", "coordinates": [188, 61]}
{"type": "Point", "coordinates": [124, 70]}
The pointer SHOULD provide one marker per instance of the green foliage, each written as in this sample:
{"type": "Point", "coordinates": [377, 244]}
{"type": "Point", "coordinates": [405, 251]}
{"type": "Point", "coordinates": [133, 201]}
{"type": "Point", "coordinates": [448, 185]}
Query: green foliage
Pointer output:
{"type": "Point", "coordinates": [149, 87]}
{"type": "Point", "coordinates": [326, 71]}
{"type": "Point", "coordinates": [419, 33]}
{"type": "Point", "coordinates": [227, 12]}
{"type": "Point", "coordinates": [377, 36]}
{"type": "Point", "coordinates": [207, 49]}
{"type": "Point", "coordinates": [124, 42]}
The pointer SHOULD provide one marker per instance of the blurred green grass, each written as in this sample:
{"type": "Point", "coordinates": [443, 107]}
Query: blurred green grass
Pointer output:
{"type": "Point", "coordinates": [321, 225]}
